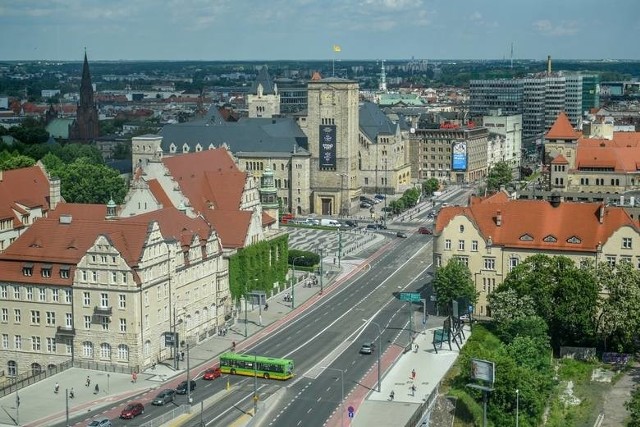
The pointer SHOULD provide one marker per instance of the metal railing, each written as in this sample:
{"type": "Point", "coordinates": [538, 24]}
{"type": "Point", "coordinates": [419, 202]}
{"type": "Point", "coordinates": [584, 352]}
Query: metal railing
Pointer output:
{"type": "Point", "coordinates": [27, 378]}
{"type": "Point", "coordinates": [168, 416]}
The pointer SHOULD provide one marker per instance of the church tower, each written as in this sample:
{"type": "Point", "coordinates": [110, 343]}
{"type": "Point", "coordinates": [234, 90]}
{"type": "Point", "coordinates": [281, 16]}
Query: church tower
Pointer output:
{"type": "Point", "coordinates": [86, 126]}
{"type": "Point", "coordinates": [332, 128]}
{"type": "Point", "coordinates": [263, 98]}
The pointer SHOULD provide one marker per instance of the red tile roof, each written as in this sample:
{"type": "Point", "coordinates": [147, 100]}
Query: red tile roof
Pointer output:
{"type": "Point", "coordinates": [51, 241]}
{"type": "Point", "coordinates": [622, 153]}
{"type": "Point", "coordinates": [28, 187]}
{"type": "Point", "coordinates": [159, 193]}
{"type": "Point", "coordinates": [214, 186]}
{"type": "Point", "coordinates": [539, 220]}
{"type": "Point", "coordinates": [562, 129]}
{"type": "Point", "coordinates": [559, 160]}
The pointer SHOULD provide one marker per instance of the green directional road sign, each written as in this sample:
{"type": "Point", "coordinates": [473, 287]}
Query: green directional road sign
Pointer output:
{"type": "Point", "coordinates": [410, 296]}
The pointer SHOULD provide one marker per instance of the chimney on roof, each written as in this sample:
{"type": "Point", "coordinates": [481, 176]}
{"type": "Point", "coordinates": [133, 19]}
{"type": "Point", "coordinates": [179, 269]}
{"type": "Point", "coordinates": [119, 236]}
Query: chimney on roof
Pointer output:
{"type": "Point", "coordinates": [1, 177]}
{"type": "Point", "coordinates": [499, 218]}
{"type": "Point", "coordinates": [54, 193]}
{"type": "Point", "coordinates": [601, 213]}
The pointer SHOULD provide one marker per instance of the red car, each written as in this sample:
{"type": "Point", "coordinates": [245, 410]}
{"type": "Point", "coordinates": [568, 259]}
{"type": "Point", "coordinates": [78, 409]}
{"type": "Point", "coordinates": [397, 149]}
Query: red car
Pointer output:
{"type": "Point", "coordinates": [132, 410]}
{"type": "Point", "coordinates": [211, 374]}
{"type": "Point", "coordinates": [424, 230]}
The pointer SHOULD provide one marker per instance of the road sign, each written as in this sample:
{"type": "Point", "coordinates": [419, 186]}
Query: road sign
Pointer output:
{"type": "Point", "coordinates": [410, 296]}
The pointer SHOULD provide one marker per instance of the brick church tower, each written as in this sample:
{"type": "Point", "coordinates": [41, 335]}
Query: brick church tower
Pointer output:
{"type": "Point", "coordinates": [86, 126]}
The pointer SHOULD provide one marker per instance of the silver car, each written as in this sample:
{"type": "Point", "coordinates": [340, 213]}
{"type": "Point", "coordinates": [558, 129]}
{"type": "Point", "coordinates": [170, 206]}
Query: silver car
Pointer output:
{"type": "Point", "coordinates": [100, 422]}
{"type": "Point", "coordinates": [165, 396]}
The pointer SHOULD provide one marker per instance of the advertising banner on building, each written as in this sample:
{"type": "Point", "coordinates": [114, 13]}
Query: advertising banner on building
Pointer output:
{"type": "Point", "coordinates": [459, 156]}
{"type": "Point", "coordinates": [327, 146]}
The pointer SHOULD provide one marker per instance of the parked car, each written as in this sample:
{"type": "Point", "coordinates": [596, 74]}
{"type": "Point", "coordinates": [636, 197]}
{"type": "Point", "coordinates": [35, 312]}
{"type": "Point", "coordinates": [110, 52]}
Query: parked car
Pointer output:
{"type": "Point", "coordinates": [372, 226]}
{"type": "Point", "coordinates": [165, 396]}
{"type": "Point", "coordinates": [132, 410]}
{"type": "Point", "coordinates": [100, 422]}
{"type": "Point", "coordinates": [351, 223]}
{"type": "Point", "coordinates": [401, 234]}
{"type": "Point", "coordinates": [424, 230]}
{"type": "Point", "coordinates": [367, 348]}
{"type": "Point", "coordinates": [182, 387]}
{"type": "Point", "coordinates": [211, 374]}
{"type": "Point", "coordinates": [365, 205]}
{"type": "Point", "coordinates": [380, 196]}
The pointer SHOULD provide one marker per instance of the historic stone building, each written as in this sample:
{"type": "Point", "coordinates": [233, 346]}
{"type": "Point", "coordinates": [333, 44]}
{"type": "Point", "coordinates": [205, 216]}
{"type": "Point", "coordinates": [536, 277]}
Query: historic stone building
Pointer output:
{"type": "Point", "coordinates": [86, 127]}
{"type": "Point", "coordinates": [263, 99]}
{"type": "Point", "coordinates": [493, 235]}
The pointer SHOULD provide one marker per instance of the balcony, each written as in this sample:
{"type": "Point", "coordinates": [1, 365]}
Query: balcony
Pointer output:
{"type": "Point", "coordinates": [66, 331]}
{"type": "Point", "coordinates": [102, 311]}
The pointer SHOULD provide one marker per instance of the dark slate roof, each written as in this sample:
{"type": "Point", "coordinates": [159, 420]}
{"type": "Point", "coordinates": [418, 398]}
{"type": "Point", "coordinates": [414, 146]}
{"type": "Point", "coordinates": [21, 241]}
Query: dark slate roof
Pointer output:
{"type": "Point", "coordinates": [332, 80]}
{"type": "Point", "coordinates": [264, 79]}
{"type": "Point", "coordinates": [374, 122]}
{"type": "Point", "coordinates": [255, 135]}
{"type": "Point", "coordinates": [123, 166]}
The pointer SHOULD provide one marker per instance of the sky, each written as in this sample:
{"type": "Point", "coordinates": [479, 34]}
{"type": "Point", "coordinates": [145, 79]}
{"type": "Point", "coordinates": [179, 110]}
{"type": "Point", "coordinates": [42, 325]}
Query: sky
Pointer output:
{"type": "Point", "coordinates": [212, 30]}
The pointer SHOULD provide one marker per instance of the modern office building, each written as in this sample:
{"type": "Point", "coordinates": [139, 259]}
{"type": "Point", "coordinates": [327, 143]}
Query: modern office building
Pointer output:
{"type": "Point", "coordinates": [505, 139]}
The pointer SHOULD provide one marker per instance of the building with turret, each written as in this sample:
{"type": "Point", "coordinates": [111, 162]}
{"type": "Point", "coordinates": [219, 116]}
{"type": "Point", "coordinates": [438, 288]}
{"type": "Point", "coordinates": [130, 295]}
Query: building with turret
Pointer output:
{"type": "Point", "coordinates": [263, 99]}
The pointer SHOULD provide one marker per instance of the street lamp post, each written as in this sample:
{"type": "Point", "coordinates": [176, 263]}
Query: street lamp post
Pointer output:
{"type": "Point", "coordinates": [293, 282]}
{"type": "Point", "coordinates": [379, 350]}
{"type": "Point", "coordinates": [255, 384]}
{"type": "Point", "coordinates": [341, 392]}
{"type": "Point", "coordinates": [517, 407]}
{"type": "Point", "coordinates": [188, 380]}
{"type": "Point", "coordinates": [321, 287]}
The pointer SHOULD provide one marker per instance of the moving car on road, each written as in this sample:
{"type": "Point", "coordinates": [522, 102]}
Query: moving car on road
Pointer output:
{"type": "Point", "coordinates": [401, 234]}
{"type": "Point", "coordinates": [367, 348]}
{"type": "Point", "coordinates": [424, 230]}
{"type": "Point", "coordinates": [132, 410]}
{"type": "Point", "coordinates": [100, 422]}
{"type": "Point", "coordinates": [165, 396]}
{"type": "Point", "coordinates": [182, 387]}
{"type": "Point", "coordinates": [211, 374]}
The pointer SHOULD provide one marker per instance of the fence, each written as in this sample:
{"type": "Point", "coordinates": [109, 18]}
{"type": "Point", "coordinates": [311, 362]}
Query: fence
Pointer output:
{"type": "Point", "coordinates": [424, 407]}
{"type": "Point", "coordinates": [165, 418]}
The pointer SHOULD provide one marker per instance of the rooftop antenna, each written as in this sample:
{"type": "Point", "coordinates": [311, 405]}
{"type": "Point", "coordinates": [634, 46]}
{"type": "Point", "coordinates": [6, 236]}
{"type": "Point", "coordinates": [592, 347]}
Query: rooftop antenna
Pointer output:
{"type": "Point", "coordinates": [512, 55]}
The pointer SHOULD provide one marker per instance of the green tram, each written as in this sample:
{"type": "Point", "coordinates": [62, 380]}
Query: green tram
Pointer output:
{"type": "Point", "coordinates": [250, 365]}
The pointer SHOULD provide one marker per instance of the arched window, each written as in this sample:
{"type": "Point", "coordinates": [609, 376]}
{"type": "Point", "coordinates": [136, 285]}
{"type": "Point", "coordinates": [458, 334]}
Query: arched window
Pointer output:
{"type": "Point", "coordinates": [105, 351]}
{"type": "Point", "coordinates": [123, 352]}
{"type": "Point", "coordinates": [87, 349]}
{"type": "Point", "coordinates": [36, 368]}
{"type": "Point", "coordinates": [12, 368]}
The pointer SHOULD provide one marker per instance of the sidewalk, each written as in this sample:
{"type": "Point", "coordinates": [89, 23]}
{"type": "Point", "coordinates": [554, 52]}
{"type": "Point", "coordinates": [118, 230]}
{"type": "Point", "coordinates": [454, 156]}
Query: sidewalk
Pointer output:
{"type": "Point", "coordinates": [373, 408]}
{"type": "Point", "coordinates": [40, 406]}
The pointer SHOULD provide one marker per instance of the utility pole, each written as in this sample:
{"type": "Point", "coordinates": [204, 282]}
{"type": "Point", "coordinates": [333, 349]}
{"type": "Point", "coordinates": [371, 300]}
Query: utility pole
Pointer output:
{"type": "Point", "coordinates": [66, 397]}
{"type": "Point", "coordinates": [321, 288]}
{"type": "Point", "coordinates": [188, 380]}
{"type": "Point", "coordinates": [293, 282]}
{"type": "Point", "coordinates": [339, 247]}
{"type": "Point", "coordinates": [255, 384]}
{"type": "Point", "coordinates": [245, 315]}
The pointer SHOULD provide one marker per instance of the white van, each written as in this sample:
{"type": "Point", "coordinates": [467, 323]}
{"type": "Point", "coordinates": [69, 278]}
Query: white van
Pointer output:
{"type": "Point", "coordinates": [329, 222]}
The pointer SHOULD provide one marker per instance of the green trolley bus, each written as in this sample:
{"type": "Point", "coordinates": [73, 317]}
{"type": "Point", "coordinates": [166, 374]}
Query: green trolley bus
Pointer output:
{"type": "Point", "coordinates": [250, 365]}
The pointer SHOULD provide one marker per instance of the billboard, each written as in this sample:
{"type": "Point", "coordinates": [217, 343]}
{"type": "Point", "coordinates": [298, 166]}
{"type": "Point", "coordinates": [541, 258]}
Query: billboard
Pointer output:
{"type": "Point", "coordinates": [327, 145]}
{"type": "Point", "coordinates": [459, 156]}
{"type": "Point", "coordinates": [483, 370]}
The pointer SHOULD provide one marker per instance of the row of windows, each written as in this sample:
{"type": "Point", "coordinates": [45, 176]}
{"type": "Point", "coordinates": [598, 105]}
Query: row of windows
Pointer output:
{"type": "Point", "coordinates": [104, 299]}
{"type": "Point", "coordinates": [35, 344]}
{"type": "Point", "coordinates": [96, 276]}
{"type": "Point", "coordinates": [43, 294]}
{"type": "Point", "coordinates": [27, 270]}
{"type": "Point", "coordinates": [35, 316]}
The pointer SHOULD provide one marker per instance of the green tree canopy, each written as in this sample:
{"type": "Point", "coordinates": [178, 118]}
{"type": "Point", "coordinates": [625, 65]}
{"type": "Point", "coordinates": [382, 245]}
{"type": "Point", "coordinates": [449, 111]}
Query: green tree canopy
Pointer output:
{"type": "Point", "coordinates": [500, 174]}
{"type": "Point", "coordinates": [430, 186]}
{"type": "Point", "coordinates": [84, 182]}
{"type": "Point", "coordinates": [10, 161]}
{"type": "Point", "coordinates": [453, 282]}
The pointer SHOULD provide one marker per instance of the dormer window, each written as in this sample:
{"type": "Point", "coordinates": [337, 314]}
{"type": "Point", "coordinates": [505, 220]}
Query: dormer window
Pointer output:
{"type": "Point", "coordinates": [550, 239]}
{"type": "Point", "coordinates": [574, 239]}
{"type": "Point", "coordinates": [27, 269]}
{"type": "Point", "coordinates": [526, 238]}
{"type": "Point", "coordinates": [46, 270]}
{"type": "Point", "coordinates": [64, 272]}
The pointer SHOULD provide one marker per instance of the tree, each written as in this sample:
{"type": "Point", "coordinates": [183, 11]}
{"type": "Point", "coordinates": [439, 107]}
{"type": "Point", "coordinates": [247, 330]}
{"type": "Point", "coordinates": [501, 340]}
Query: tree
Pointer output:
{"type": "Point", "coordinates": [633, 406]}
{"type": "Point", "coordinates": [15, 161]}
{"type": "Point", "coordinates": [499, 175]}
{"type": "Point", "coordinates": [452, 282]}
{"type": "Point", "coordinates": [84, 182]}
{"type": "Point", "coordinates": [430, 186]}
{"type": "Point", "coordinates": [506, 305]}
{"type": "Point", "coordinates": [619, 318]}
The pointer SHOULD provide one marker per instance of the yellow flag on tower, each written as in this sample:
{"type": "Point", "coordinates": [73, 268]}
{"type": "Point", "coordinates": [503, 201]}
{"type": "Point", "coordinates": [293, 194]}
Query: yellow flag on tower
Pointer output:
{"type": "Point", "coordinates": [337, 48]}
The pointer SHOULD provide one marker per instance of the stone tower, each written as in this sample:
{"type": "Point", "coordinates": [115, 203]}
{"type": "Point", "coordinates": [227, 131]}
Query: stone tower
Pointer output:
{"type": "Point", "coordinates": [86, 127]}
{"type": "Point", "coordinates": [332, 129]}
{"type": "Point", "coordinates": [263, 98]}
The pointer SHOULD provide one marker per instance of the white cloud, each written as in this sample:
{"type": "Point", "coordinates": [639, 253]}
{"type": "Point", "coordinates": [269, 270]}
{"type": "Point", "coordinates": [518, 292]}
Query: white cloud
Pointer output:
{"type": "Point", "coordinates": [564, 28]}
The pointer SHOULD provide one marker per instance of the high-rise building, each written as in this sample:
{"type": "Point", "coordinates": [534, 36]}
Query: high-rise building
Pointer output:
{"type": "Point", "coordinates": [86, 126]}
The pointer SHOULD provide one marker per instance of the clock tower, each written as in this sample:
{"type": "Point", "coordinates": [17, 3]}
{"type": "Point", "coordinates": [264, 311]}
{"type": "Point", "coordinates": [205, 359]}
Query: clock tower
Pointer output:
{"type": "Point", "coordinates": [332, 129]}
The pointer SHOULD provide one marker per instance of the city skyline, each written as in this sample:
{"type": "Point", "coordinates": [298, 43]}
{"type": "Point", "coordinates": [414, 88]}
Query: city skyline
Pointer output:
{"type": "Point", "coordinates": [307, 29]}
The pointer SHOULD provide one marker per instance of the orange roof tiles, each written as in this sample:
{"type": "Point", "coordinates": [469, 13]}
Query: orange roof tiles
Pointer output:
{"type": "Point", "coordinates": [562, 129]}
{"type": "Point", "coordinates": [621, 154]}
{"type": "Point", "coordinates": [51, 241]}
{"type": "Point", "coordinates": [159, 193]}
{"type": "Point", "coordinates": [539, 220]}
{"type": "Point", "coordinates": [559, 160]}
{"type": "Point", "coordinates": [214, 186]}
{"type": "Point", "coordinates": [28, 187]}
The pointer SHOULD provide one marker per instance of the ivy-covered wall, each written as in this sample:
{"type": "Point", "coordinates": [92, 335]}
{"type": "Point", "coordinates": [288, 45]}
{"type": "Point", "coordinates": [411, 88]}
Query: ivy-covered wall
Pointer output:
{"type": "Point", "coordinates": [265, 261]}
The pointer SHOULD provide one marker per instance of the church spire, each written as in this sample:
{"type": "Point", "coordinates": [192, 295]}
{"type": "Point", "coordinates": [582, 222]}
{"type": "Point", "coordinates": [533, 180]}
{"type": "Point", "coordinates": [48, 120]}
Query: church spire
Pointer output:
{"type": "Point", "coordinates": [86, 88]}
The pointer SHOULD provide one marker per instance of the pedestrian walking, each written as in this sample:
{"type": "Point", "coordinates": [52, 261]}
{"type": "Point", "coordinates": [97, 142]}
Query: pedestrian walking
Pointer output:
{"type": "Point", "coordinates": [182, 356]}
{"type": "Point", "coordinates": [413, 390]}
{"type": "Point", "coordinates": [56, 388]}
{"type": "Point", "coordinates": [72, 394]}
{"type": "Point", "coordinates": [88, 382]}
{"type": "Point", "coordinates": [134, 377]}
{"type": "Point", "coordinates": [392, 395]}
{"type": "Point", "coordinates": [233, 346]}
{"type": "Point", "coordinates": [413, 374]}
{"type": "Point", "coordinates": [96, 390]}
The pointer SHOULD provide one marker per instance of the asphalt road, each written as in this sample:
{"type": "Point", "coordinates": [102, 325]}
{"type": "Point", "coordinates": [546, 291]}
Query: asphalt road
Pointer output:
{"type": "Point", "coordinates": [328, 335]}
